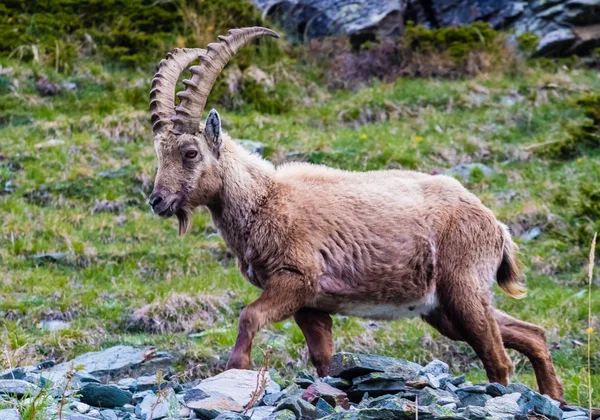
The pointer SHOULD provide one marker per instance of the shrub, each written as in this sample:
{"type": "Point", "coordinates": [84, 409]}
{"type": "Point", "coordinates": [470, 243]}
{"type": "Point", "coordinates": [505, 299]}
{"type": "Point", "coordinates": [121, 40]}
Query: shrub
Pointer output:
{"type": "Point", "coordinates": [453, 52]}
{"type": "Point", "coordinates": [528, 42]}
{"type": "Point", "coordinates": [128, 32]}
{"type": "Point", "coordinates": [582, 137]}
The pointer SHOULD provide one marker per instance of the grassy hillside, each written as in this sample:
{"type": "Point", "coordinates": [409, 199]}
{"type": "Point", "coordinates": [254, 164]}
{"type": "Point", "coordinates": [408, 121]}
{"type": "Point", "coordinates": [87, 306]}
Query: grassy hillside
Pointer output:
{"type": "Point", "coordinates": [79, 244]}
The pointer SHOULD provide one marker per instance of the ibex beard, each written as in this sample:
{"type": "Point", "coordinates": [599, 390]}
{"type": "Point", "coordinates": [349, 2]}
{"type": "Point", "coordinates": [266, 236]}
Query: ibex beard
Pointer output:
{"type": "Point", "coordinates": [319, 241]}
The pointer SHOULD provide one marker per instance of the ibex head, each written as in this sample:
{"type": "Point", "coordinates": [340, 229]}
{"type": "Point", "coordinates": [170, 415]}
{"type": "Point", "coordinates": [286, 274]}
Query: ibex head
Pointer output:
{"type": "Point", "coordinates": [187, 149]}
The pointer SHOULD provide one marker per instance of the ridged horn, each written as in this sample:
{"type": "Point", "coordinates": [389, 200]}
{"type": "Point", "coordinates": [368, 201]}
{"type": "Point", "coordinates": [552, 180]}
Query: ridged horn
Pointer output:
{"type": "Point", "coordinates": [193, 98]}
{"type": "Point", "coordinates": [162, 93]}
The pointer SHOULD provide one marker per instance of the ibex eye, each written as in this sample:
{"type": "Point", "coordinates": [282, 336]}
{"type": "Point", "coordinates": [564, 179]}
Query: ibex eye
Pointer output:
{"type": "Point", "coordinates": [191, 154]}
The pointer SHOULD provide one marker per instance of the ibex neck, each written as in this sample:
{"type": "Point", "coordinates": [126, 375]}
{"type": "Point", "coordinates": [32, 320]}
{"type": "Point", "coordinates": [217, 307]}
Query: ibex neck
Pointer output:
{"type": "Point", "coordinates": [246, 184]}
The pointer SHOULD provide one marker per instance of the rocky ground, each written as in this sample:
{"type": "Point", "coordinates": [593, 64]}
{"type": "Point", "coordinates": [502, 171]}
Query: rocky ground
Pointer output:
{"type": "Point", "coordinates": [124, 382]}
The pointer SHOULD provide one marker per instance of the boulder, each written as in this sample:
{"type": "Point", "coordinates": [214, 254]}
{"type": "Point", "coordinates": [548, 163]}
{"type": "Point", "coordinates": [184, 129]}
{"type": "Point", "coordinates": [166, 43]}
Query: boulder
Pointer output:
{"type": "Point", "coordinates": [504, 407]}
{"type": "Point", "coordinates": [350, 365]}
{"type": "Point", "coordinates": [435, 368]}
{"type": "Point", "coordinates": [232, 416]}
{"type": "Point", "coordinates": [473, 412]}
{"type": "Point", "coordinates": [472, 395]}
{"type": "Point", "coordinates": [153, 408]}
{"type": "Point", "coordinates": [17, 388]}
{"type": "Point", "coordinates": [339, 383]}
{"type": "Point", "coordinates": [106, 396]}
{"type": "Point", "coordinates": [545, 406]}
{"type": "Point", "coordinates": [301, 408]}
{"type": "Point", "coordinates": [565, 27]}
{"type": "Point", "coordinates": [260, 413]}
{"type": "Point", "coordinates": [376, 384]}
{"type": "Point", "coordinates": [322, 391]}
{"type": "Point", "coordinates": [237, 384]}
{"type": "Point", "coordinates": [110, 363]}
{"type": "Point", "coordinates": [554, 43]}
{"type": "Point", "coordinates": [282, 415]}
{"type": "Point", "coordinates": [17, 373]}
{"type": "Point", "coordinates": [306, 19]}
{"type": "Point", "coordinates": [9, 414]}
{"type": "Point", "coordinates": [429, 396]}
{"type": "Point", "coordinates": [147, 382]}
{"type": "Point", "coordinates": [210, 405]}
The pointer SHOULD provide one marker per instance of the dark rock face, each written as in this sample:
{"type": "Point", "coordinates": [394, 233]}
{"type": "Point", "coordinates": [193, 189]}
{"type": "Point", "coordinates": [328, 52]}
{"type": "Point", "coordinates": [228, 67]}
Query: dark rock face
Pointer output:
{"type": "Point", "coordinates": [306, 19]}
{"type": "Point", "coordinates": [565, 27]}
{"type": "Point", "coordinates": [349, 365]}
{"type": "Point", "coordinates": [106, 396]}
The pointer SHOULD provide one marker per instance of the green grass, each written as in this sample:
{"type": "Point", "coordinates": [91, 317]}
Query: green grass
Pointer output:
{"type": "Point", "coordinates": [118, 260]}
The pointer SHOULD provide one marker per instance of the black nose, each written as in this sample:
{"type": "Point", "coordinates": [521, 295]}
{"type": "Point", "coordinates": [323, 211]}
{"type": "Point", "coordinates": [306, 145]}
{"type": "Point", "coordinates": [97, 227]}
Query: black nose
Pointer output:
{"type": "Point", "coordinates": [155, 198]}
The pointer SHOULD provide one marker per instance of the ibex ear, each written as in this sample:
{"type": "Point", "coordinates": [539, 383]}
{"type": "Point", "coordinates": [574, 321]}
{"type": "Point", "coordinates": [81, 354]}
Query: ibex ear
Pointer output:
{"type": "Point", "coordinates": [212, 130]}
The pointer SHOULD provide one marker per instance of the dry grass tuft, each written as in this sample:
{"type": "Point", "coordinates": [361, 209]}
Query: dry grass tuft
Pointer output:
{"type": "Point", "coordinates": [180, 312]}
{"type": "Point", "coordinates": [590, 330]}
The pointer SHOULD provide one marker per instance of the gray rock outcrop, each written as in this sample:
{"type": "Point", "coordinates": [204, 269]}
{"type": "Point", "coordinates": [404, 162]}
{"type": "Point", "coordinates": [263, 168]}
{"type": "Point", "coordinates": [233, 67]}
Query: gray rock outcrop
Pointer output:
{"type": "Point", "coordinates": [565, 27]}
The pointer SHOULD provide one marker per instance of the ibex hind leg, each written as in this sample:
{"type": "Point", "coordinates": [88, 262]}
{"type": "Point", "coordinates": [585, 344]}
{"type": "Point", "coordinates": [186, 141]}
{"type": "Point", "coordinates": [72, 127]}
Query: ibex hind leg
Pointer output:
{"type": "Point", "coordinates": [530, 340]}
{"type": "Point", "coordinates": [316, 327]}
{"type": "Point", "coordinates": [469, 317]}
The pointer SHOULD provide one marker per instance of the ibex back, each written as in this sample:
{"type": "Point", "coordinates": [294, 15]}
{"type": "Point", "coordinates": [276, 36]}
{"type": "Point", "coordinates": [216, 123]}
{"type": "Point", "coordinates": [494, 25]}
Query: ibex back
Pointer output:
{"type": "Point", "coordinates": [321, 241]}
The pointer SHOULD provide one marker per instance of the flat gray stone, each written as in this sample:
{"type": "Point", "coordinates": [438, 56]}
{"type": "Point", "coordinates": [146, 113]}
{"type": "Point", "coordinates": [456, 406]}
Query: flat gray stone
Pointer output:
{"type": "Point", "coordinates": [237, 384]}
{"type": "Point", "coordinates": [351, 365]}
{"type": "Point", "coordinates": [9, 414]}
{"type": "Point", "coordinates": [260, 413]}
{"type": "Point", "coordinates": [435, 368]}
{"type": "Point", "coordinates": [17, 388]}
{"type": "Point", "coordinates": [504, 407]}
{"type": "Point", "coordinates": [161, 410]}
{"type": "Point", "coordinates": [110, 363]}
{"type": "Point", "coordinates": [17, 373]}
{"type": "Point", "coordinates": [209, 406]}
{"type": "Point", "coordinates": [429, 396]}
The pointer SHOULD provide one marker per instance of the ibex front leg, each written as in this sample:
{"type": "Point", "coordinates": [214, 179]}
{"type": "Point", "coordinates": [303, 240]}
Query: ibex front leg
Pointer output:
{"type": "Point", "coordinates": [284, 294]}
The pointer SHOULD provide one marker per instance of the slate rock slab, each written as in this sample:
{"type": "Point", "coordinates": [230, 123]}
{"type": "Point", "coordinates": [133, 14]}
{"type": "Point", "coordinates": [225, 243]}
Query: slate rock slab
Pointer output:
{"type": "Point", "coordinates": [282, 415]}
{"type": "Point", "coordinates": [495, 389]}
{"type": "Point", "coordinates": [232, 416]}
{"type": "Point", "coordinates": [376, 384]}
{"type": "Point", "coordinates": [504, 407]}
{"type": "Point", "coordinates": [211, 405]}
{"type": "Point", "coordinates": [237, 384]}
{"type": "Point", "coordinates": [260, 413]}
{"type": "Point", "coordinates": [332, 396]}
{"type": "Point", "coordinates": [161, 409]}
{"type": "Point", "coordinates": [339, 383]}
{"type": "Point", "coordinates": [547, 407]}
{"type": "Point", "coordinates": [112, 362]}
{"type": "Point", "coordinates": [17, 373]}
{"type": "Point", "coordinates": [351, 365]}
{"type": "Point", "coordinates": [105, 396]}
{"type": "Point", "coordinates": [9, 414]}
{"type": "Point", "coordinates": [17, 388]}
{"type": "Point", "coordinates": [429, 396]}
{"type": "Point", "coordinates": [435, 368]}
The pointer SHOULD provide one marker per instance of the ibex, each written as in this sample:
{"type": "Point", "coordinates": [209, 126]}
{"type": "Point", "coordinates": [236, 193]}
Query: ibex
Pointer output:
{"type": "Point", "coordinates": [320, 241]}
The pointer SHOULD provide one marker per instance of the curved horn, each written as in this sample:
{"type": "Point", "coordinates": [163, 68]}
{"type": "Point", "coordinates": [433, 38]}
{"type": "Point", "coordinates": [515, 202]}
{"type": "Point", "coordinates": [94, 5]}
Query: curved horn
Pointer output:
{"type": "Point", "coordinates": [193, 98]}
{"type": "Point", "coordinates": [162, 93]}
